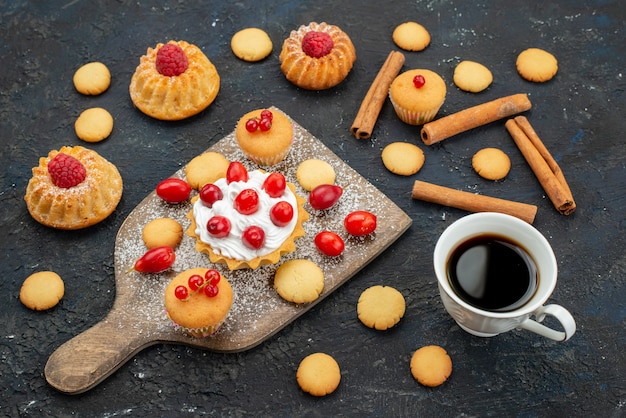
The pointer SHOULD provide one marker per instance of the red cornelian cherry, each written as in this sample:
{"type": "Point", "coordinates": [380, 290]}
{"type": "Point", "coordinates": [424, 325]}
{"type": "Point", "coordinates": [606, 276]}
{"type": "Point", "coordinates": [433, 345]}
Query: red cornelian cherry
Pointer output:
{"type": "Point", "coordinates": [156, 260]}
{"type": "Point", "coordinates": [218, 226]}
{"type": "Point", "coordinates": [173, 190]}
{"type": "Point", "coordinates": [324, 196]}
{"type": "Point", "coordinates": [281, 213]}
{"type": "Point", "coordinates": [247, 202]}
{"type": "Point", "coordinates": [209, 194]}
{"type": "Point", "coordinates": [275, 184]}
{"type": "Point", "coordinates": [253, 237]}
{"type": "Point", "coordinates": [236, 172]}
{"type": "Point", "coordinates": [181, 292]}
{"type": "Point", "coordinates": [419, 81]}
{"type": "Point", "coordinates": [195, 281]}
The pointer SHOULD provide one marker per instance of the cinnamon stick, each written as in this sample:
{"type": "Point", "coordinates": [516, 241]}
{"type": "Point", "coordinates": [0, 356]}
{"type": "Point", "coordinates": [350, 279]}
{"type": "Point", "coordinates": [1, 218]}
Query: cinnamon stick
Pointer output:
{"type": "Point", "coordinates": [472, 202]}
{"type": "Point", "coordinates": [542, 164]}
{"type": "Point", "coordinates": [369, 110]}
{"type": "Point", "coordinates": [473, 117]}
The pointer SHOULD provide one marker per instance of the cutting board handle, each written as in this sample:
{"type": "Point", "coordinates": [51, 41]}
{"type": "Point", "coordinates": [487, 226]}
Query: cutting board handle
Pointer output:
{"type": "Point", "coordinates": [90, 357]}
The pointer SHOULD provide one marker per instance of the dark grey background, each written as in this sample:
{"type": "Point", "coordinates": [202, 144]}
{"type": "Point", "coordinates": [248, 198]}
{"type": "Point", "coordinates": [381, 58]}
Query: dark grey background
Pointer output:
{"type": "Point", "coordinates": [579, 115]}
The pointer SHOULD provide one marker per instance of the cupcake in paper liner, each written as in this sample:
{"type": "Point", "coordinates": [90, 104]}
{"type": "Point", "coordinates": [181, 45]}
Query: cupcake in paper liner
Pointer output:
{"type": "Point", "coordinates": [202, 312]}
{"type": "Point", "coordinates": [417, 95]}
{"type": "Point", "coordinates": [264, 136]}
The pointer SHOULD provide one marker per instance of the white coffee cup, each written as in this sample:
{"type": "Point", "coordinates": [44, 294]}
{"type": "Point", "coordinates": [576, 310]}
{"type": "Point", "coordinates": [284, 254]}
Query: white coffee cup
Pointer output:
{"type": "Point", "coordinates": [486, 323]}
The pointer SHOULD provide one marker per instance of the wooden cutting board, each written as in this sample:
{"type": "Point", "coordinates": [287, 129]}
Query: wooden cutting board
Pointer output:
{"type": "Point", "coordinates": [137, 318]}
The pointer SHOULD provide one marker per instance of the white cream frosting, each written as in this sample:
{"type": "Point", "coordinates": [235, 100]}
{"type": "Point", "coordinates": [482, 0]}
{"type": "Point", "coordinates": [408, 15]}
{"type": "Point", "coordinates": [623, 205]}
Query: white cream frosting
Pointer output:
{"type": "Point", "coordinates": [232, 246]}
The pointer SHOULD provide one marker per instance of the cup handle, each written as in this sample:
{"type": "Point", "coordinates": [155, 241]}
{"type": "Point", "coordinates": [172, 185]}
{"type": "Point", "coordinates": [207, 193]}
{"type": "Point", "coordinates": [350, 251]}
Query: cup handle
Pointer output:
{"type": "Point", "coordinates": [560, 313]}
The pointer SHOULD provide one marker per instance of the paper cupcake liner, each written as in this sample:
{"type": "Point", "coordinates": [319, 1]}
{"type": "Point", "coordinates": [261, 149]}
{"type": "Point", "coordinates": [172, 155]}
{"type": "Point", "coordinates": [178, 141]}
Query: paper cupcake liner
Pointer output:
{"type": "Point", "coordinates": [267, 161]}
{"type": "Point", "coordinates": [415, 118]}
{"type": "Point", "coordinates": [200, 332]}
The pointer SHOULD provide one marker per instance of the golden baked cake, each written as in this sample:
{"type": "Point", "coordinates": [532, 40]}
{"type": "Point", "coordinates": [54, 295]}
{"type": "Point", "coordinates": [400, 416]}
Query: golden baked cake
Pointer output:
{"type": "Point", "coordinates": [264, 136]}
{"type": "Point", "coordinates": [317, 56]}
{"type": "Point", "coordinates": [417, 95]}
{"type": "Point", "coordinates": [198, 301]}
{"type": "Point", "coordinates": [247, 219]}
{"type": "Point", "coordinates": [174, 81]}
{"type": "Point", "coordinates": [73, 188]}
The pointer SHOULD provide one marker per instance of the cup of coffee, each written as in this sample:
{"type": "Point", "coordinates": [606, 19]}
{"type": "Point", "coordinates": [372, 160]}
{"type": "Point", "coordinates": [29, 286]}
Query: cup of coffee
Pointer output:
{"type": "Point", "coordinates": [495, 273]}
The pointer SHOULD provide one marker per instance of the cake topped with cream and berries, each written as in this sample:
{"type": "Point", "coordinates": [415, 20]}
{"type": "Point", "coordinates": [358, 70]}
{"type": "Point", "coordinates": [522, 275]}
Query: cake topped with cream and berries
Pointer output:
{"type": "Point", "coordinates": [174, 81]}
{"type": "Point", "coordinates": [247, 219]}
{"type": "Point", "coordinates": [73, 188]}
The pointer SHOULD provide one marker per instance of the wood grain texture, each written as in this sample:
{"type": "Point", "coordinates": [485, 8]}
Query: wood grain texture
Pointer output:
{"type": "Point", "coordinates": [137, 319]}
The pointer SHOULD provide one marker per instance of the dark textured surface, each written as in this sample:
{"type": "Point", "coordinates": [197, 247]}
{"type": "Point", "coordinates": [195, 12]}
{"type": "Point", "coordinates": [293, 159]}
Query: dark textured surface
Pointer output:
{"type": "Point", "coordinates": [579, 115]}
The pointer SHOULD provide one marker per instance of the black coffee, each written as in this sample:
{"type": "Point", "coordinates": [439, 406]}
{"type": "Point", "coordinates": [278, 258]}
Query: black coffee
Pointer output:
{"type": "Point", "coordinates": [492, 273]}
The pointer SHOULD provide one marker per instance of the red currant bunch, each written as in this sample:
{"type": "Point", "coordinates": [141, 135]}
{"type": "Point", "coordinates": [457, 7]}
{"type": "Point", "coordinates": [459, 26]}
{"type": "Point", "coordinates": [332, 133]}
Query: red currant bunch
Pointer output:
{"type": "Point", "coordinates": [264, 123]}
{"type": "Point", "coordinates": [196, 283]}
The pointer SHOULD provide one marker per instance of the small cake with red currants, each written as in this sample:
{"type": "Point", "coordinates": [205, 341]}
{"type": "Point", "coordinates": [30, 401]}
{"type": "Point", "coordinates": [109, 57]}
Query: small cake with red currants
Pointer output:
{"type": "Point", "coordinates": [174, 81]}
{"type": "Point", "coordinates": [317, 56]}
{"type": "Point", "coordinates": [198, 301]}
{"type": "Point", "coordinates": [247, 219]}
{"type": "Point", "coordinates": [264, 136]}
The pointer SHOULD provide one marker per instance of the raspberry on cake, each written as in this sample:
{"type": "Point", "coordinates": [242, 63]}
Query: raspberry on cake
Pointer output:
{"type": "Point", "coordinates": [73, 188]}
{"type": "Point", "coordinates": [247, 219]}
{"type": "Point", "coordinates": [317, 56]}
{"type": "Point", "coordinates": [174, 81]}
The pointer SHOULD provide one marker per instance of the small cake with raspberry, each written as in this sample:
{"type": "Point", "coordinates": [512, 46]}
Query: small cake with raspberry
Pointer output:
{"type": "Point", "coordinates": [174, 81]}
{"type": "Point", "coordinates": [247, 219]}
{"type": "Point", "coordinates": [264, 136]}
{"type": "Point", "coordinates": [317, 56]}
{"type": "Point", "coordinates": [417, 95]}
{"type": "Point", "coordinates": [198, 301]}
{"type": "Point", "coordinates": [73, 188]}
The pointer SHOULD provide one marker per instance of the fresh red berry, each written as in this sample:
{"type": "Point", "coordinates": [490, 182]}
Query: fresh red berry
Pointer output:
{"type": "Point", "coordinates": [171, 60]}
{"type": "Point", "coordinates": [324, 196]}
{"type": "Point", "coordinates": [195, 281]}
{"type": "Point", "coordinates": [212, 277]}
{"type": "Point", "coordinates": [329, 243]}
{"type": "Point", "coordinates": [275, 184]}
{"type": "Point", "coordinates": [253, 237]}
{"type": "Point", "coordinates": [252, 125]}
{"type": "Point", "coordinates": [181, 292]}
{"type": "Point", "coordinates": [281, 213]}
{"type": "Point", "coordinates": [247, 202]}
{"type": "Point", "coordinates": [173, 190]}
{"type": "Point", "coordinates": [267, 114]}
{"type": "Point", "coordinates": [360, 222]}
{"type": "Point", "coordinates": [209, 194]}
{"type": "Point", "coordinates": [265, 125]}
{"type": "Point", "coordinates": [317, 44]}
{"type": "Point", "coordinates": [236, 172]}
{"type": "Point", "coordinates": [66, 171]}
{"type": "Point", "coordinates": [156, 260]}
{"type": "Point", "coordinates": [419, 81]}
{"type": "Point", "coordinates": [218, 226]}
{"type": "Point", "coordinates": [211, 290]}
